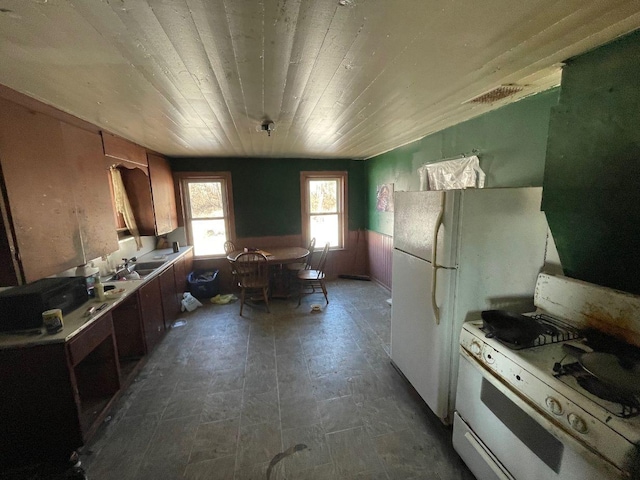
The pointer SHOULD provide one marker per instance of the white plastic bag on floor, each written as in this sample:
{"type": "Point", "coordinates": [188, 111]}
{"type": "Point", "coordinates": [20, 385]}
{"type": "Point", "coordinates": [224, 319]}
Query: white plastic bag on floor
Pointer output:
{"type": "Point", "coordinates": [189, 302]}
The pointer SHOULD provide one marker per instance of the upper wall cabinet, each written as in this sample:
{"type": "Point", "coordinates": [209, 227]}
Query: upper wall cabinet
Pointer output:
{"type": "Point", "coordinates": [163, 193]}
{"type": "Point", "coordinates": [122, 150]}
{"type": "Point", "coordinates": [56, 200]}
{"type": "Point", "coordinates": [148, 181]}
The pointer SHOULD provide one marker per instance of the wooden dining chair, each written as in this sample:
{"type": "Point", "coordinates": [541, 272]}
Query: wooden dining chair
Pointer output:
{"type": "Point", "coordinates": [312, 278]}
{"type": "Point", "coordinates": [252, 273]}
{"type": "Point", "coordinates": [229, 247]}
{"type": "Point", "coordinates": [306, 265]}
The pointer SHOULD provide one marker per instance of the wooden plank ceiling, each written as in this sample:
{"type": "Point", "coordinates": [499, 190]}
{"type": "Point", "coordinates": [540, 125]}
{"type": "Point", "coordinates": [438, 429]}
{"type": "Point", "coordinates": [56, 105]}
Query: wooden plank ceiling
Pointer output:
{"type": "Point", "coordinates": [339, 78]}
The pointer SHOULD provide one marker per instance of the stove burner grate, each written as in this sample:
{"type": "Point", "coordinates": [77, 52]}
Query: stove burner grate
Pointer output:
{"type": "Point", "coordinates": [628, 404]}
{"type": "Point", "coordinates": [555, 331]}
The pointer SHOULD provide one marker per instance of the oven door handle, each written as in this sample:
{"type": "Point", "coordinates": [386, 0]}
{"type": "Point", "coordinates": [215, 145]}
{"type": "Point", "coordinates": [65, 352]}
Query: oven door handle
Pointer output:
{"type": "Point", "coordinates": [485, 456]}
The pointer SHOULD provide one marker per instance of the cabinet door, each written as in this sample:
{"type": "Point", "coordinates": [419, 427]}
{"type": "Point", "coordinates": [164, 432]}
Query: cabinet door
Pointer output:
{"type": "Point", "coordinates": [164, 200]}
{"type": "Point", "coordinates": [170, 304]}
{"type": "Point", "coordinates": [40, 194]}
{"type": "Point", "coordinates": [83, 151]}
{"type": "Point", "coordinates": [121, 149]}
{"type": "Point", "coordinates": [151, 311]}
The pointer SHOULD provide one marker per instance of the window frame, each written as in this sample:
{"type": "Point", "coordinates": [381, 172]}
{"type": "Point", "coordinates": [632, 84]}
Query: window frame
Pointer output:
{"type": "Point", "coordinates": [343, 208]}
{"type": "Point", "coordinates": [182, 179]}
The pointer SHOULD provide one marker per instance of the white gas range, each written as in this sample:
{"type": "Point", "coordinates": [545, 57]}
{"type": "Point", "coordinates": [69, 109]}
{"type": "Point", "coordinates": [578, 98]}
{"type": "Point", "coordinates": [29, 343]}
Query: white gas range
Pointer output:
{"type": "Point", "coordinates": [522, 412]}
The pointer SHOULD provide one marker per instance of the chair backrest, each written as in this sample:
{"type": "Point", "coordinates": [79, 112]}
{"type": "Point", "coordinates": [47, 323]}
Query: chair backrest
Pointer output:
{"type": "Point", "coordinates": [229, 247]}
{"type": "Point", "coordinates": [252, 270]}
{"type": "Point", "coordinates": [311, 248]}
{"type": "Point", "coordinates": [323, 260]}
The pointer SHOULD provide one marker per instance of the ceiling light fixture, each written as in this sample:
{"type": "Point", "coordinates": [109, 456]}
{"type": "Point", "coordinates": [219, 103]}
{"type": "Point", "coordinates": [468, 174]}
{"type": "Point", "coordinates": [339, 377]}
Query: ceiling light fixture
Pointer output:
{"type": "Point", "coordinates": [268, 126]}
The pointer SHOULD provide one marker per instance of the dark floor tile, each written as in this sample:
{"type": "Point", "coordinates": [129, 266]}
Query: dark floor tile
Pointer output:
{"type": "Point", "coordinates": [185, 403]}
{"type": "Point", "coordinates": [119, 455]}
{"type": "Point", "coordinates": [339, 414]}
{"type": "Point", "coordinates": [260, 408]}
{"type": "Point", "coordinates": [309, 446]}
{"type": "Point", "coordinates": [260, 471]}
{"type": "Point", "coordinates": [218, 469]}
{"type": "Point", "coordinates": [353, 452]}
{"type": "Point", "coordinates": [169, 448]}
{"type": "Point", "coordinates": [259, 443]}
{"type": "Point", "coordinates": [403, 454]}
{"type": "Point", "coordinates": [381, 416]}
{"type": "Point", "coordinates": [288, 346]}
{"type": "Point", "coordinates": [215, 440]}
{"type": "Point", "coordinates": [331, 385]}
{"type": "Point", "coordinates": [260, 381]}
{"type": "Point", "coordinates": [299, 412]}
{"type": "Point", "coordinates": [221, 406]}
{"type": "Point", "coordinates": [227, 380]}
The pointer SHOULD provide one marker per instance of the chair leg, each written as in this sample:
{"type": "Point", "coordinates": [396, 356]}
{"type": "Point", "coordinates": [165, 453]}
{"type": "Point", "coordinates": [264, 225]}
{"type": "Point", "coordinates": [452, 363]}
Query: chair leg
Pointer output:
{"type": "Point", "coordinates": [241, 300]}
{"type": "Point", "coordinates": [324, 290]}
{"type": "Point", "coordinates": [266, 298]}
{"type": "Point", "coordinates": [300, 293]}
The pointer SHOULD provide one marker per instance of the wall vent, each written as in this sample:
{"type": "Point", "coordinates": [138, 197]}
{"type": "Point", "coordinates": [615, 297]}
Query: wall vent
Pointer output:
{"type": "Point", "coordinates": [498, 93]}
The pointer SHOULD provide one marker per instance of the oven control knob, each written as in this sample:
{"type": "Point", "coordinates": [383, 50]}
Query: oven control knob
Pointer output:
{"type": "Point", "coordinates": [489, 358]}
{"type": "Point", "coordinates": [554, 406]}
{"type": "Point", "coordinates": [475, 348]}
{"type": "Point", "coordinates": [577, 423]}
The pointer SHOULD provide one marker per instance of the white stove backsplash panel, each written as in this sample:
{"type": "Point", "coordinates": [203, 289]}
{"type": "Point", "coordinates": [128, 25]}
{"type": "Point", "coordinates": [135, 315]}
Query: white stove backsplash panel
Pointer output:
{"type": "Point", "coordinates": [587, 305]}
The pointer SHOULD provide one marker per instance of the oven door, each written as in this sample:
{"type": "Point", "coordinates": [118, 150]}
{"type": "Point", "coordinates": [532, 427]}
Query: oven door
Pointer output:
{"type": "Point", "coordinates": [513, 440]}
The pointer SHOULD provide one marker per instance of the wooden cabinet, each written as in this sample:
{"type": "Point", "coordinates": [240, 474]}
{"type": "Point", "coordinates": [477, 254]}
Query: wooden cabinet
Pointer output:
{"type": "Point", "coordinates": [170, 303]}
{"type": "Point", "coordinates": [122, 149]}
{"type": "Point", "coordinates": [83, 151]}
{"type": "Point", "coordinates": [129, 334]}
{"type": "Point", "coordinates": [95, 372]}
{"type": "Point", "coordinates": [38, 411]}
{"type": "Point", "coordinates": [148, 181]}
{"type": "Point", "coordinates": [163, 194]}
{"type": "Point", "coordinates": [53, 216]}
{"type": "Point", "coordinates": [181, 269]}
{"type": "Point", "coordinates": [150, 300]}
{"type": "Point", "coordinates": [56, 395]}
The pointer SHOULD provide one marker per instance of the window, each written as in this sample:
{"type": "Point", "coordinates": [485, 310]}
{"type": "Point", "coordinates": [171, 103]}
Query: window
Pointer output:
{"type": "Point", "coordinates": [208, 212]}
{"type": "Point", "coordinates": [324, 207]}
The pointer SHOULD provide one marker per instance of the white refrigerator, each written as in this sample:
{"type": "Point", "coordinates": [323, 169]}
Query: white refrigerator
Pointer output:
{"type": "Point", "coordinates": [456, 253]}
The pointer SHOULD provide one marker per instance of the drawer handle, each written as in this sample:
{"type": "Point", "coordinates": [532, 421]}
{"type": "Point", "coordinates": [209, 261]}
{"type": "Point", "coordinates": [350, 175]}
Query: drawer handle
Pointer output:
{"type": "Point", "coordinates": [485, 456]}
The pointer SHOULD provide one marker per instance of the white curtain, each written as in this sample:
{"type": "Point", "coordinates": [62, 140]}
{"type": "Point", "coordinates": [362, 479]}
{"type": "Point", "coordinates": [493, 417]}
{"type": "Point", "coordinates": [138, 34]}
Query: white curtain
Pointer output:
{"type": "Point", "coordinates": [123, 206]}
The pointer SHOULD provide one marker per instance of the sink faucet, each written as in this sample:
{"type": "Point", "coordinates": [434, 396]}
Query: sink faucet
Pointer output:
{"type": "Point", "coordinates": [122, 270]}
{"type": "Point", "coordinates": [127, 263]}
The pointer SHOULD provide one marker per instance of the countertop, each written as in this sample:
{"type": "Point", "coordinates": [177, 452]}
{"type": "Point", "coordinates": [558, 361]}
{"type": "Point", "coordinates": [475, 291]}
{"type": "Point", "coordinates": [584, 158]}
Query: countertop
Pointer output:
{"type": "Point", "coordinates": [77, 320]}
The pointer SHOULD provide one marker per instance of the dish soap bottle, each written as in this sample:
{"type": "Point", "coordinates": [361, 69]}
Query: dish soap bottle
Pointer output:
{"type": "Point", "coordinates": [98, 288]}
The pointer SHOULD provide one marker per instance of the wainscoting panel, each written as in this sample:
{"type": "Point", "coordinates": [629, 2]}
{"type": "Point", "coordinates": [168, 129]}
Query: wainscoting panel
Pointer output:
{"type": "Point", "coordinates": [380, 255]}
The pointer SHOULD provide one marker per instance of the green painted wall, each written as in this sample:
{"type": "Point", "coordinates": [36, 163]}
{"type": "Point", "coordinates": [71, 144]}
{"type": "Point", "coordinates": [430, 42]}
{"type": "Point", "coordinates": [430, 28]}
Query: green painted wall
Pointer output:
{"type": "Point", "coordinates": [592, 177]}
{"type": "Point", "coordinates": [511, 143]}
{"type": "Point", "coordinates": [266, 192]}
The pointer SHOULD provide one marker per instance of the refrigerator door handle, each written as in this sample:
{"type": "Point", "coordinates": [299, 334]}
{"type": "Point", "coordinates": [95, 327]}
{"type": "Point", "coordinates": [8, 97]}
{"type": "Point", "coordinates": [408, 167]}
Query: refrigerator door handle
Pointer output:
{"type": "Point", "coordinates": [434, 258]}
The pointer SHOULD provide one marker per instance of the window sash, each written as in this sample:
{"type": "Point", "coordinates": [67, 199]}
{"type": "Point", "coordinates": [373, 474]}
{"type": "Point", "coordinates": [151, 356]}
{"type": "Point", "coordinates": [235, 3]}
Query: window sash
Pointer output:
{"type": "Point", "coordinates": [340, 177]}
{"type": "Point", "coordinates": [224, 178]}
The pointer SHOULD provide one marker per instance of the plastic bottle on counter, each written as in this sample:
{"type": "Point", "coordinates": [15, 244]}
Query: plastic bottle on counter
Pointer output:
{"type": "Point", "coordinates": [98, 288]}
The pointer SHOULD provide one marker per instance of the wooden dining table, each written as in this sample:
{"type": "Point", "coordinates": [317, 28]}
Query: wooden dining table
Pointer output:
{"type": "Point", "coordinates": [277, 258]}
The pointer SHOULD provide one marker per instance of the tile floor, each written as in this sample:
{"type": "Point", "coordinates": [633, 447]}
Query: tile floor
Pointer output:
{"type": "Point", "coordinates": [286, 395]}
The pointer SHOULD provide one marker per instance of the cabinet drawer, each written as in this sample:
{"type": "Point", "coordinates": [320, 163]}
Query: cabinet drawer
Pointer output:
{"type": "Point", "coordinates": [87, 340]}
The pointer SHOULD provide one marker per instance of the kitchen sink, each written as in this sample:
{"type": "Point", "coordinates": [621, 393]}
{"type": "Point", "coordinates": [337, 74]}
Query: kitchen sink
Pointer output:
{"type": "Point", "coordinates": [146, 266]}
{"type": "Point", "coordinates": [143, 269]}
